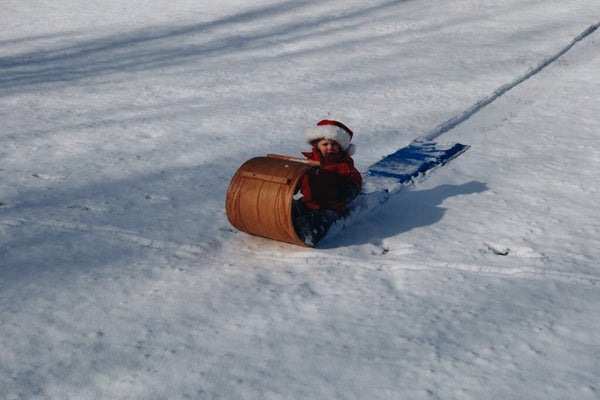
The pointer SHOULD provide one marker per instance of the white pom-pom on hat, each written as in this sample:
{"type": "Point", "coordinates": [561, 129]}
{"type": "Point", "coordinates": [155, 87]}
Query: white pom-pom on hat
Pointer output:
{"type": "Point", "coordinates": [333, 130]}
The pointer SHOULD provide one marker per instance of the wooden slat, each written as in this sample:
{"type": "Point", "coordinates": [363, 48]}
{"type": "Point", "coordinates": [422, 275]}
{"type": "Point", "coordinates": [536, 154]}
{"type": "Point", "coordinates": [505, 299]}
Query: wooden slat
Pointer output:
{"type": "Point", "coordinates": [268, 178]}
{"type": "Point", "coordinates": [296, 159]}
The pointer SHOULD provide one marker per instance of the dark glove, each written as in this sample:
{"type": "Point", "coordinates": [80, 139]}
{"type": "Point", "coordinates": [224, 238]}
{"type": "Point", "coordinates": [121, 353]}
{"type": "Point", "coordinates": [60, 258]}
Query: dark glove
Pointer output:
{"type": "Point", "coordinates": [348, 191]}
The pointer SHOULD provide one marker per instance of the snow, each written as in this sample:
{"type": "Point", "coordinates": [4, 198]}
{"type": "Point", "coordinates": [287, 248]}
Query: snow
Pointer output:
{"type": "Point", "coordinates": [123, 122]}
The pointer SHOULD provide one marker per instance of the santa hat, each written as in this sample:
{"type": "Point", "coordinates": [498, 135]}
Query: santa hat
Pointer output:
{"type": "Point", "coordinates": [333, 130]}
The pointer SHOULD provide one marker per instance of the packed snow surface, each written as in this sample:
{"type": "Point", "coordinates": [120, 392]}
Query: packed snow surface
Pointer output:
{"type": "Point", "coordinates": [123, 122]}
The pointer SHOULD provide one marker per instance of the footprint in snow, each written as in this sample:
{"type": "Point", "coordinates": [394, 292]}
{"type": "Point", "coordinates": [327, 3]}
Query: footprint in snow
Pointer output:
{"type": "Point", "coordinates": [87, 207]}
{"type": "Point", "coordinates": [47, 177]}
{"type": "Point", "coordinates": [517, 251]}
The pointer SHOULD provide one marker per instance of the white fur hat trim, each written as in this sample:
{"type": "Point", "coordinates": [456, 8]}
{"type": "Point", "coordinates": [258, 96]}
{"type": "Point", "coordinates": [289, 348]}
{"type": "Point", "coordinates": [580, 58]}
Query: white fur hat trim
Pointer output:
{"type": "Point", "coordinates": [331, 132]}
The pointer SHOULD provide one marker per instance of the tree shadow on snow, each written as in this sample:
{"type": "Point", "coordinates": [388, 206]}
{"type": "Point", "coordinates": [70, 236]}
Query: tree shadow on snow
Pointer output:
{"type": "Point", "coordinates": [156, 47]}
{"type": "Point", "coordinates": [406, 211]}
{"type": "Point", "coordinates": [59, 228]}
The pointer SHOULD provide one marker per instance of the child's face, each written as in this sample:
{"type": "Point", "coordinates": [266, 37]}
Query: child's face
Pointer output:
{"type": "Point", "coordinates": [328, 147]}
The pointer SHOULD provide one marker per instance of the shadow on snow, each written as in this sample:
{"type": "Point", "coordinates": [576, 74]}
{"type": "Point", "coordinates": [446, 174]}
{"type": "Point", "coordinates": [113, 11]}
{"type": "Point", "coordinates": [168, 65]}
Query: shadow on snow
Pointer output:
{"type": "Point", "coordinates": [404, 212]}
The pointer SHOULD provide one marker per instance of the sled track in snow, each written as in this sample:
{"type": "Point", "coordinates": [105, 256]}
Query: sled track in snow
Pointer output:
{"type": "Point", "coordinates": [211, 250]}
{"type": "Point", "coordinates": [188, 249]}
{"type": "Point", "coordinates": [489, 270]}
{"type": "Point", "coordinates": [380, 264]}
{"type": "Point", "coordinates": [468, 113]}
{"type": "Point", "coordinates": [522, 272]}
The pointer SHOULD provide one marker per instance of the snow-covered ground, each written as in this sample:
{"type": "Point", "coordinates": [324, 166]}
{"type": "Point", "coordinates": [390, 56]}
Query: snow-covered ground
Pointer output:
{"type": "Point", "coordinates": [123, 122]}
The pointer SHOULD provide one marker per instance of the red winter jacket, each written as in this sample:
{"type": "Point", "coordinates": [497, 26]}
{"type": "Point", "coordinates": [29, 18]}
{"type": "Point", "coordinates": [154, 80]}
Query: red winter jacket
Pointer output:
{"type": "Point", "coordinates": [321, 186]}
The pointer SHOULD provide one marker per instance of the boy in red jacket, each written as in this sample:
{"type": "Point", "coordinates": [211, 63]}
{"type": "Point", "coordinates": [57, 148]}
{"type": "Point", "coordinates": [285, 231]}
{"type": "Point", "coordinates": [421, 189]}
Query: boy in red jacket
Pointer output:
{"type": "Point", "coordinates": [326, 190]}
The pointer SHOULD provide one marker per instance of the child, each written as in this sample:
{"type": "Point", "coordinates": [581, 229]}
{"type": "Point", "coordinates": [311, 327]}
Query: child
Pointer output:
{"type": "Point", "coordinates": [326, 190]}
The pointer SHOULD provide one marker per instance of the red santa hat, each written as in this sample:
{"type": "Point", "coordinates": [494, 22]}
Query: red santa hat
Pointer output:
{"type": "Point", "coordinates": [333, 130]}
